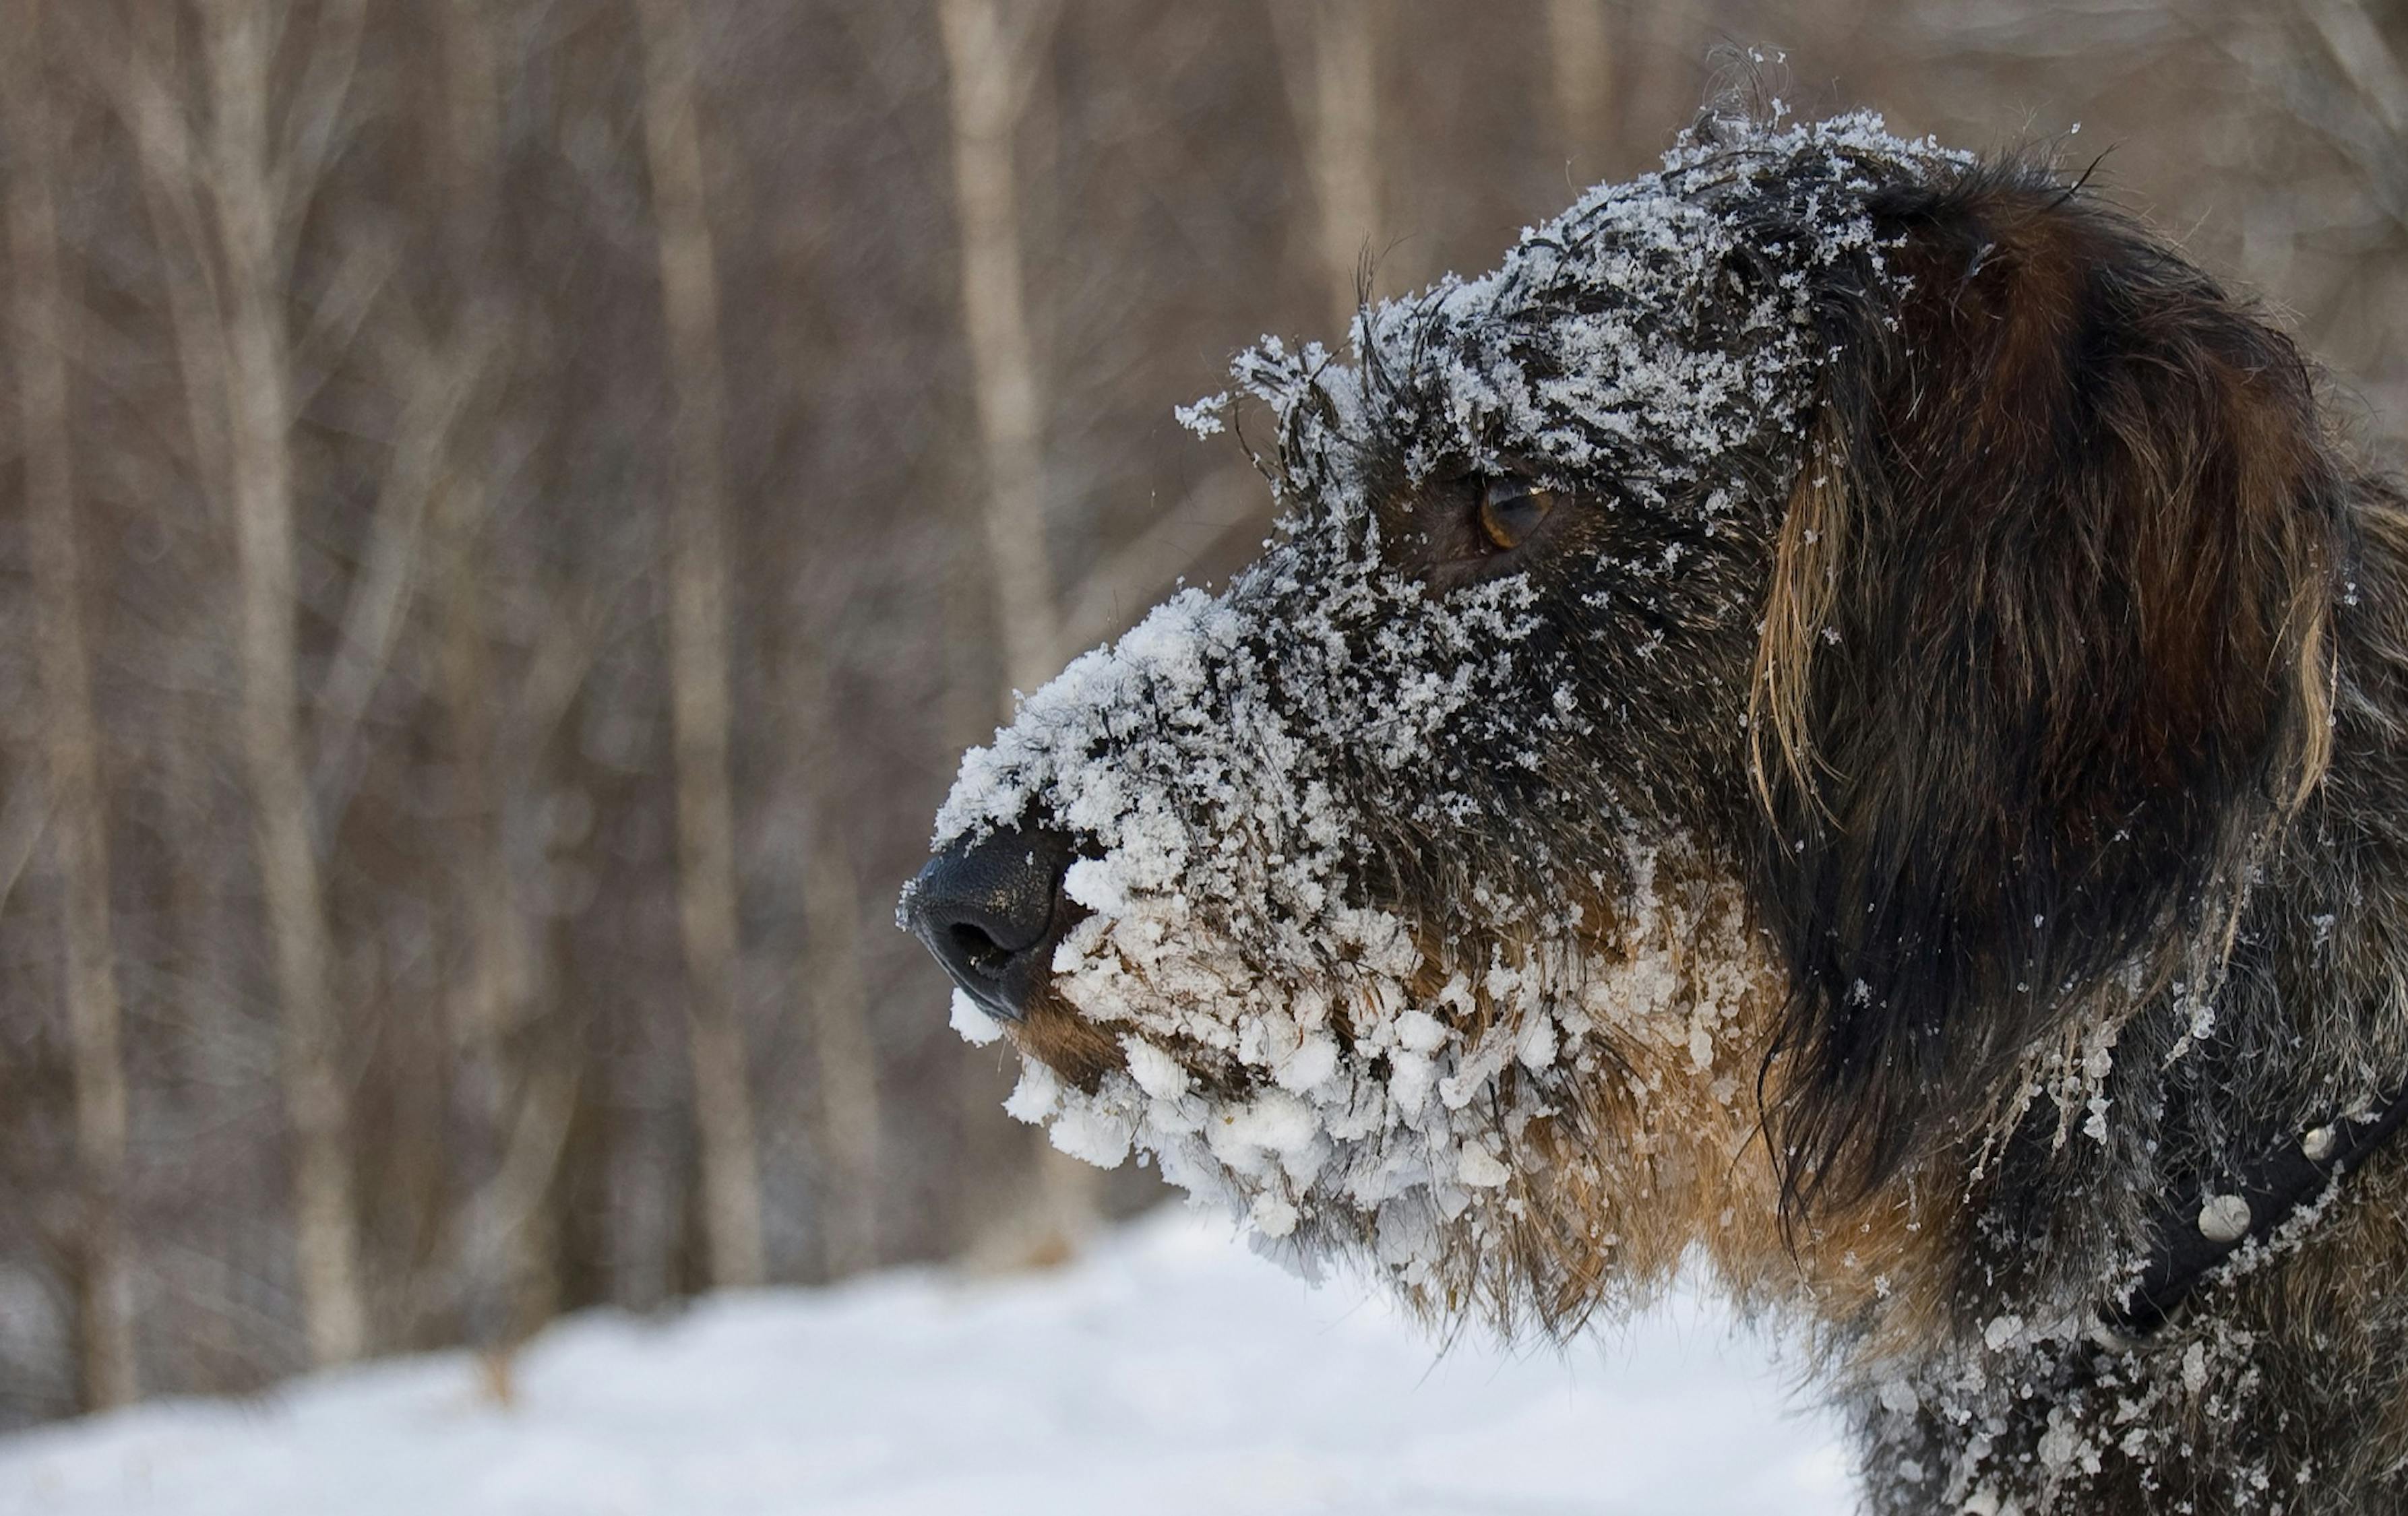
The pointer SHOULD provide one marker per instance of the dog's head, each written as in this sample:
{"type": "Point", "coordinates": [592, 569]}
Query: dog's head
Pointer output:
{"type": "Point", "coordinates": [1748, 665]}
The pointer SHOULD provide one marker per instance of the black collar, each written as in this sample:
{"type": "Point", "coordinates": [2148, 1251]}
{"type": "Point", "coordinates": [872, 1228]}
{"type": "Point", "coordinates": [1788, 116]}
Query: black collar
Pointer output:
{"type": "Point", "coordinates": [2194, 1237]}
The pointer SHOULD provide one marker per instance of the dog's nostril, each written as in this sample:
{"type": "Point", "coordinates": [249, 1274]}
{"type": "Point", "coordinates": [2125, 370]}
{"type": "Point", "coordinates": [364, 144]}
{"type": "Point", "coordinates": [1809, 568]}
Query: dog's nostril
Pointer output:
{"type": "Point", "coordinates": [990, 911]}
{"type": "Point", "coordinates": [979, 950]}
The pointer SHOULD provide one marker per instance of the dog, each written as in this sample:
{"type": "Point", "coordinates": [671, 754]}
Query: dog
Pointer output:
{"type": "Point", "coordinates": [1844, 713]}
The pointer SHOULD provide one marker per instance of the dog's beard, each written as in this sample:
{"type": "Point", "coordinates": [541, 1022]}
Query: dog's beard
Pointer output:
{"type": "Point", "coordinates": [1382, 954]}
{"type": "Point", "coordinates": [1385, 1108]}
{"type": "Point", "coordinates": [1385, 1072]}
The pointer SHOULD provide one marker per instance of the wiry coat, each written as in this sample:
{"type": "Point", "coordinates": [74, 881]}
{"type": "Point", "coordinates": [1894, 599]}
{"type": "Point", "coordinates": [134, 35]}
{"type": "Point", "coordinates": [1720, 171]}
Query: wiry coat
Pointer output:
{"type": "Point", "coordinates": [1845, 709]}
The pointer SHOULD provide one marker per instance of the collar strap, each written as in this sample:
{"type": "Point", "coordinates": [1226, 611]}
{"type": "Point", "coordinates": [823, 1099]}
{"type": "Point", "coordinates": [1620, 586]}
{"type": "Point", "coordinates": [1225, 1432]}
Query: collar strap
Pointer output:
{"type": "Point", "coordinates": [2262, 1196]}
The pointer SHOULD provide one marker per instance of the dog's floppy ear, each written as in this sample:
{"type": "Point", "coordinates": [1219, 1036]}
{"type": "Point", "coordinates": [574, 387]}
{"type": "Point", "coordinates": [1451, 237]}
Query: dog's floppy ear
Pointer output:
{"type": "Point", "coordinates": [2043, 657]}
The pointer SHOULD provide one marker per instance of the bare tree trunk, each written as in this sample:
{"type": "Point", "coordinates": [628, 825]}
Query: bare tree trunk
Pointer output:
{"type": "Point", "coordinates": [836, 992]}
{"type": "Point", "coordinates": [984, 62]}
{"type": "Point", "coordinates": [979, 57]}
{"type": "Point", "coordinates": [520, 1098]}
{"type": "Point", "coordinates": [244, 182]}
{"type": "Point", "coordinates": [189, 726]}
{"type": "Point", "coordinates": [104, 1304]}
{"type": "Point", "coordinates": [1337, 102]}
{"type": "Point", "coordinates": [519, 1081]}
{"type": "Point", "coordinates": [1580, 54]}
{"type": "Point", "coordinates": [1666, 58]}
{"type": "Point", "coordinates": [699, 652]}
{"type": "Point", "coordinates": [171, 183]}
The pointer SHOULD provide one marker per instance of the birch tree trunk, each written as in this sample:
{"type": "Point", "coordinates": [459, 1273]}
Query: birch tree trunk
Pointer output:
{"type": "Point", "coordinates": [1333, 72]}
{"type": "Point", "coordinates": [1665, 50]}
{"type": "Point", "coordinates": [519, 1099]}
{"type": "Point", "coordinates": [246, 189]}
{"type": "Point", "coordinates": [699, 652]}
{"type": "Point", "coordinates": [836, 990]}
{"type": "Point", "coordinates": [1580, 57]}
{"type": "Point", "coordinates": [984, 61]}
{"type": "Point", "coordinates": [985, 94]}
{"type": "Point", "coordinates": [102, 1300]}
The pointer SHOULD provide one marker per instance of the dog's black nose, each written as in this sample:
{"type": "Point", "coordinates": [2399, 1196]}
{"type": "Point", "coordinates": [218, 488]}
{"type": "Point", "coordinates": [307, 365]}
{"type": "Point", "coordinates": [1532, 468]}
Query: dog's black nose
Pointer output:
{"type": "Point", "coordinates": [990, 911]}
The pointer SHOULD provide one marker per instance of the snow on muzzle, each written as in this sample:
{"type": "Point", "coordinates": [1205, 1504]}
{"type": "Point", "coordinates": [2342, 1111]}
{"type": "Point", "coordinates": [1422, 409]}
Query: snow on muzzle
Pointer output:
{"type": "Point", "coordinates": [1246, 777]}
{"type": "Point", "coordinates": [1373, 920]}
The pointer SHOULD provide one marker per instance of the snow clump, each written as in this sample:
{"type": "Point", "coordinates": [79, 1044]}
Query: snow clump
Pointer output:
{"type": "Point", "coordinates": [1356, 908]}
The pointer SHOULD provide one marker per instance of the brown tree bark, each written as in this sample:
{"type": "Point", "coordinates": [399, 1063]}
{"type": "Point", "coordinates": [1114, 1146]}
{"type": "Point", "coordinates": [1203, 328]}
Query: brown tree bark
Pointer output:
{"type": "Point", "coordinates": [43, 338]}
{"type": "Point", "coordinates": [700, 709]}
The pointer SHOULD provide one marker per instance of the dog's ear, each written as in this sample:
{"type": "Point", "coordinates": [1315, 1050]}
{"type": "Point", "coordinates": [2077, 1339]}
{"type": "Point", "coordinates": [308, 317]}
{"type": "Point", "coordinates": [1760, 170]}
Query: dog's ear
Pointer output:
{"type": "Point", "coordinates": [2042, 660]}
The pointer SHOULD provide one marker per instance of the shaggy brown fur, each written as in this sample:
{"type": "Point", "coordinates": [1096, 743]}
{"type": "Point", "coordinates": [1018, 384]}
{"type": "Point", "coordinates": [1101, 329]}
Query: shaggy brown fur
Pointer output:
{"type": "Point", "coordinates": [2073, 526]}
{"type": "Point", "coordinates": [2039, 725]}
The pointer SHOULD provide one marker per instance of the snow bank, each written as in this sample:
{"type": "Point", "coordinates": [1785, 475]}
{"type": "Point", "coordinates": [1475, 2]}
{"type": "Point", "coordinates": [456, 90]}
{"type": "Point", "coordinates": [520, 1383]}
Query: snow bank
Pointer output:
{"type": "Point", "coordinates": [1170, 1373]}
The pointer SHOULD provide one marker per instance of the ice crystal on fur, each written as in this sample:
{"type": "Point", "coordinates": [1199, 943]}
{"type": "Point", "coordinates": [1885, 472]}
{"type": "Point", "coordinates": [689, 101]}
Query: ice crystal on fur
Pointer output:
{"type": "Point", "coordinates": [1247, 774]}
{"type": "Point", "coordinates": [1925, 822]}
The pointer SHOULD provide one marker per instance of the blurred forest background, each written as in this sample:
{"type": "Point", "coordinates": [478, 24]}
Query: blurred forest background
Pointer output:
{"type": "Point", "coordinates": [513, 508]}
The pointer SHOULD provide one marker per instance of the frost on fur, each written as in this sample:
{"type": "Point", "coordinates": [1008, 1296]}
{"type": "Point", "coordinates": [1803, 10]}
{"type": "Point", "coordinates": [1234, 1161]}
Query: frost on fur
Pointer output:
{"type": "Point", "coordinates": [1949, 742]}
{"type": "Point", "coordinates": [1258, 780]}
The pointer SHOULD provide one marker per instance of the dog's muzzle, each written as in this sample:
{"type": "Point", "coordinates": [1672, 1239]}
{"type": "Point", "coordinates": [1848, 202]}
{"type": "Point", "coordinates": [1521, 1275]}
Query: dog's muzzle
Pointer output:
{"type": "Point", "coordinates": [992, 910]}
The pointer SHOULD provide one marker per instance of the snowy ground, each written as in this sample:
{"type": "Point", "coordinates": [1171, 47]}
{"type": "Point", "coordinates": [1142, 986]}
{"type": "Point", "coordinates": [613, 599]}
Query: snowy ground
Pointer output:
{"type": "Point", "coordinates": [1168, 1374]}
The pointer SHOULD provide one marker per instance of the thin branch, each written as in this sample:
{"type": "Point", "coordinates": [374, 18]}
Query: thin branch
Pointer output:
{"type": "Point", "coordinates": [546, 1107]}
{"type": "Point", "coordinates": [23, 820]}
{"type": "Point", "coordinates": [1028, 30]}
{"type": "Point", "coordinates": [2349, 35]}
{"type": "Point", "coordinates": [366, 267]}
{"type": "Point", "coordinates": [130, 73]}
{"type": "Point", "coordinates": [320, 112]}
{"type": "Point", "coordinates": [564, 655]}
{"type": "Point", "coordinates": [437, 391]}
{"type": "Point", "coordinates": [2345, 118]}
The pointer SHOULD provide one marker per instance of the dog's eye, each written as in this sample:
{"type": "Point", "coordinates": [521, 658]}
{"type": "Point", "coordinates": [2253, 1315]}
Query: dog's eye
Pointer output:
{"type": "Point", "coordinates": [1511, 509]}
